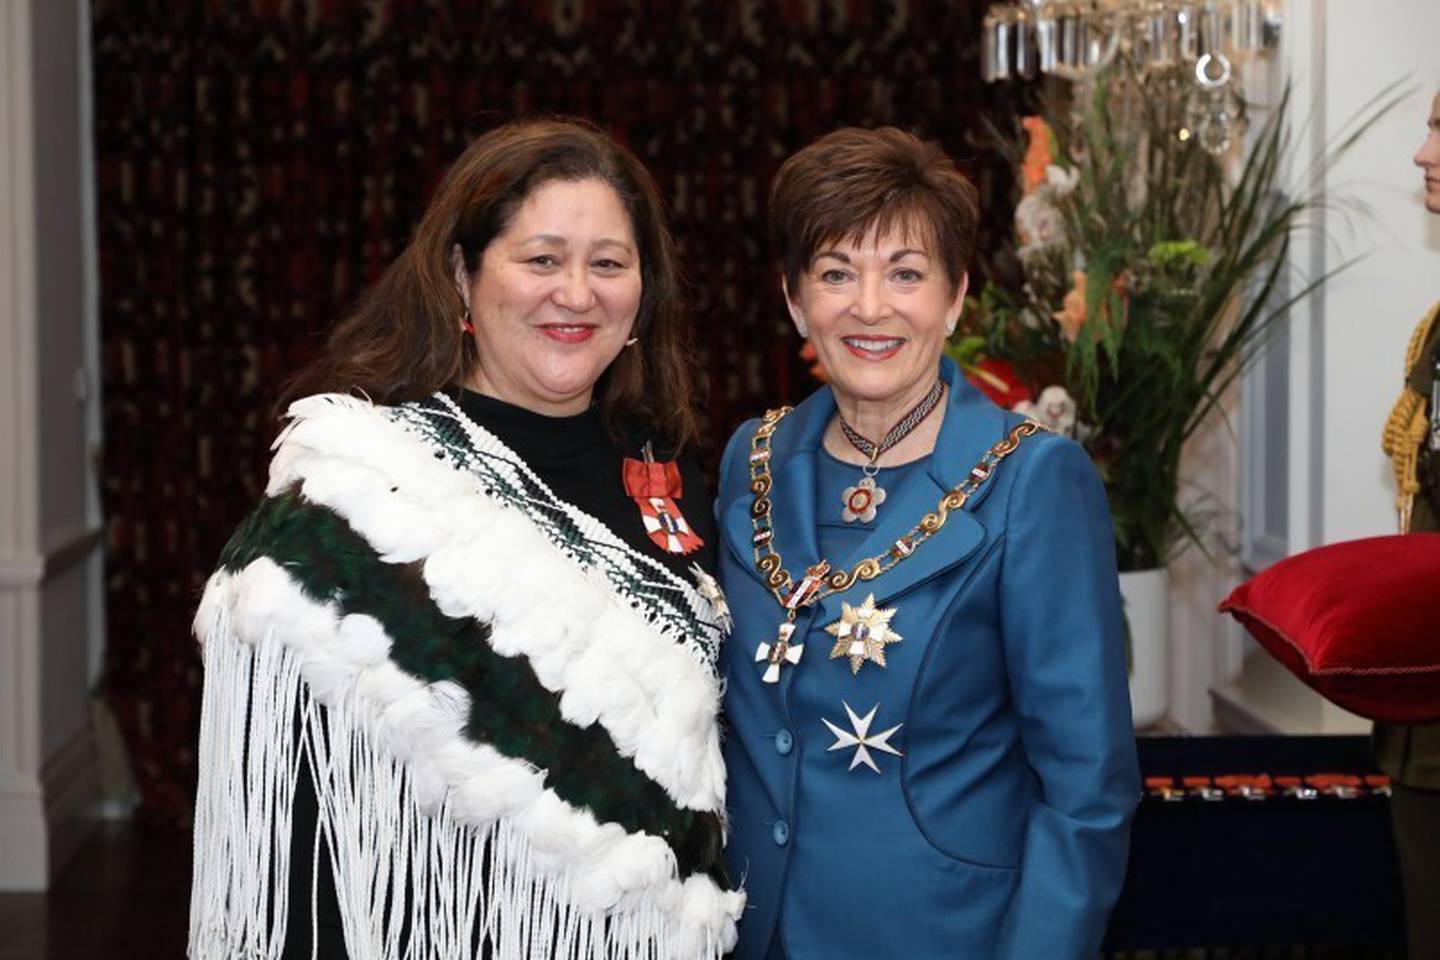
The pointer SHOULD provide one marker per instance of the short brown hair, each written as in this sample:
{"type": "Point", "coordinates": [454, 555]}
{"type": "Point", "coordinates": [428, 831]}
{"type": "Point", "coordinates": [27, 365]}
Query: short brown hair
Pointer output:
{"type": "Point", "coordinates": [853, 181]}
{"type": "Point", "coordinates": [403, 342]}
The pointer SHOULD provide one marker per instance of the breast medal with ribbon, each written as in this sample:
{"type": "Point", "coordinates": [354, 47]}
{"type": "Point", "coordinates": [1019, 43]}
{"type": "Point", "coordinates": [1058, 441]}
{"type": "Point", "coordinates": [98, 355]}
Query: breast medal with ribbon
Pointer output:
{"type": "Point", "coordinates": [655, 486]}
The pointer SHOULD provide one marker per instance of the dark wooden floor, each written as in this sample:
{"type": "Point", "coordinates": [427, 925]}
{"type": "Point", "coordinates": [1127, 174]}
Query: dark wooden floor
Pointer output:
{"type": "Point", "coordinates": [125, 895]}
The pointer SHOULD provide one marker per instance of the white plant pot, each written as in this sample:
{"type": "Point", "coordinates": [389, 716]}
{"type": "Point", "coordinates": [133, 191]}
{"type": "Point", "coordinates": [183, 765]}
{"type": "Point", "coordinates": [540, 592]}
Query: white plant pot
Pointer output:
{"type": "Point", "coordinates": [1146, 595]}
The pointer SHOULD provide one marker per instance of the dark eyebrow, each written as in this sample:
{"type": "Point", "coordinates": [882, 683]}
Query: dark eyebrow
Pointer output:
{"type": "Point", "coordinates": [558, 241]}
{"type": "Point", "coordinates": [611, 242]}
{"type": "Point", "coordinates": [894, 257]}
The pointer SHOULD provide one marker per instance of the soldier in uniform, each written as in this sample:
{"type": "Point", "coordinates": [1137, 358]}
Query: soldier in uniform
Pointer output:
{"type": "Point", "coordinates": [1411, 754]}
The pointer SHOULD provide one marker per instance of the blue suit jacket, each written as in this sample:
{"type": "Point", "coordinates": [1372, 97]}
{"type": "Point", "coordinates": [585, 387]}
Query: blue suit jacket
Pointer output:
{"type": "Point", "coordinates": [1004, 828]}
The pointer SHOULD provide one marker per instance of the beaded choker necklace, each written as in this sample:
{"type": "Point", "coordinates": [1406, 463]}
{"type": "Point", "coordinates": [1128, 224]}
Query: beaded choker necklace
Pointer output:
{"type": "Point", "coordinates": [863, 500]}
{"type": "Point", "coordinates": [821, 580]}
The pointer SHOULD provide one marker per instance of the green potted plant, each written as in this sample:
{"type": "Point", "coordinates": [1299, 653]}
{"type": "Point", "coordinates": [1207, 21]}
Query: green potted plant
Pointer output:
{"type": "Point", "coordinates": [1149, 271]}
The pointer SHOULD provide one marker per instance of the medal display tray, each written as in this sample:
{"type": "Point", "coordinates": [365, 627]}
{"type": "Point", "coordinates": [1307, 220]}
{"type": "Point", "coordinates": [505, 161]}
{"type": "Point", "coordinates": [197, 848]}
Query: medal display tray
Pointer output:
{"type": "Point", "coordinates": [1309, 867]}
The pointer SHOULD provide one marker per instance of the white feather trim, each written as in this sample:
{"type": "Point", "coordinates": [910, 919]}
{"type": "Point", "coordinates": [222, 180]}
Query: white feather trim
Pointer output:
{"type": "Point", "coordinates": [540, 604]}
{"type": "Point", "coordinates": [450, 779]}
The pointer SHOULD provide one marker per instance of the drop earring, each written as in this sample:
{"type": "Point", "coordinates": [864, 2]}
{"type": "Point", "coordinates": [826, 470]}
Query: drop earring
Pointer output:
{"type": "Point", "coordinates": [465, 325]}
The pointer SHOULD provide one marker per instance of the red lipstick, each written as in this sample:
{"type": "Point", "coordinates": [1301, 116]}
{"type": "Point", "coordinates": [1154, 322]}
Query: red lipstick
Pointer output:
{"type": "Point", "coordinates": [568, 332]}
{"type": "Point", "coordinates": [873, 348]}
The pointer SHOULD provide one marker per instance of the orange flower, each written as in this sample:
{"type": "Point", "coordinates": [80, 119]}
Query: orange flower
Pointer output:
{"type": "Point", "coordinates": [1072, 316]}
{"type": "Point", "coordinates": [1038, 155]}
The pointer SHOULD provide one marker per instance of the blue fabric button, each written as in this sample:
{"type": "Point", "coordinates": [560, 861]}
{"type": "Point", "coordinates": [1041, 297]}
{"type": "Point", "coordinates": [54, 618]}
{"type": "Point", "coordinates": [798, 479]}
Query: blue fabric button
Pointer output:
{"type": "Point", "coordinates": [781, 833]}
{"type": "Point", "coordinates": [784, 742]}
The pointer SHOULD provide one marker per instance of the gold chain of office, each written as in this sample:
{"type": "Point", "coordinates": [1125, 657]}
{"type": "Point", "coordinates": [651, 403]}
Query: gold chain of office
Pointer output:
{"type": "Point", "coordinates": [820, 580]}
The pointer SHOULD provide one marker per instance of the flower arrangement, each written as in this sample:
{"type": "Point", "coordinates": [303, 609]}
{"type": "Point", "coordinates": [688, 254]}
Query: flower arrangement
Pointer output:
{"type": "Point", "coordinates": [1149, 278]}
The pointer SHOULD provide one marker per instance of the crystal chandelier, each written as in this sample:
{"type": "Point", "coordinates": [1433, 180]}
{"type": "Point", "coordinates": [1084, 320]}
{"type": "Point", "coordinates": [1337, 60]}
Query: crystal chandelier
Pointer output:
{"type": "Point", "coordinates": [1202, 40]}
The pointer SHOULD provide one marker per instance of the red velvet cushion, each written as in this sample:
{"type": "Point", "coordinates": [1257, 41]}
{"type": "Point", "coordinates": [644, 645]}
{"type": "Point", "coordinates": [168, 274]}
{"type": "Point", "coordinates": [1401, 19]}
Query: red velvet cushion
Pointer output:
{"type": "Point", "coordinates": [1357, 621]}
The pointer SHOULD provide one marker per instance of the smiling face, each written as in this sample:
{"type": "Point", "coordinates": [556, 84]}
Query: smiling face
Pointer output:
{"type": "Point", "coordinates": [554, 297]}
{"type": "Point", "coordinates": [877, 312]}
{"type": "Point", "coordinates": [1428, 159]}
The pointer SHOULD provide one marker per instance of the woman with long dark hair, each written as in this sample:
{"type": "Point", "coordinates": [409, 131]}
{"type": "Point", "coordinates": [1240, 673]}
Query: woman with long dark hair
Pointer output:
{"type": "Point", "coordinates": [460, 696]}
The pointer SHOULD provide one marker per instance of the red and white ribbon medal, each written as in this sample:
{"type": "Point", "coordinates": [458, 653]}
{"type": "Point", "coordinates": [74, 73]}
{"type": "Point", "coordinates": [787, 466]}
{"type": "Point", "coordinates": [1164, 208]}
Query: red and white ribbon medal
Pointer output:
{"type": "Point", "coordinates": [655, 486]}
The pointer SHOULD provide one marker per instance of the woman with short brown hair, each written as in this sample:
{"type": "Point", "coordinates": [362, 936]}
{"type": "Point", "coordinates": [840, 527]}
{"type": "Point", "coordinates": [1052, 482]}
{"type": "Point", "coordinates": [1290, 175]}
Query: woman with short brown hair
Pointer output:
{"type": "Point", "coordinates": [929, 739]}
{"type": "Point", "coordinates": [459, 697]}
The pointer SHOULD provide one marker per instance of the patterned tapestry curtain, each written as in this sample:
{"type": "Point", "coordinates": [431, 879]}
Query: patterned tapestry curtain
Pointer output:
{"type": "Point", "coordinates": [260, 162]}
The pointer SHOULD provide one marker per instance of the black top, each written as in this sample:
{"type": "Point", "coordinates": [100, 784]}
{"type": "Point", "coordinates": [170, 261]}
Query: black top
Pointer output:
{"type": "Point", "coordinates": [581, 464]}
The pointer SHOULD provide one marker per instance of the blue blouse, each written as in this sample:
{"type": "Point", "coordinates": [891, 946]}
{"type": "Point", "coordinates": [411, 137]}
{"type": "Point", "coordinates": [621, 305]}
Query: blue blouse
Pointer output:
{"type": "Point", "coordinates": [838, 539]}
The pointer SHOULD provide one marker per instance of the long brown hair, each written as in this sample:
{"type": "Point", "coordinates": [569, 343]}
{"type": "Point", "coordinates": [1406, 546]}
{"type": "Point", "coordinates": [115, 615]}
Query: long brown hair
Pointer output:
{"type": "Point", "coordinates": [403, 342]}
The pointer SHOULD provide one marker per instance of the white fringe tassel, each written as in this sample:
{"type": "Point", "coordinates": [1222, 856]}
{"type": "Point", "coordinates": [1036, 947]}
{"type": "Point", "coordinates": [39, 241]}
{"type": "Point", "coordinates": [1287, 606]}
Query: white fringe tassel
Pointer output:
{"type": "Point", "coordinates": [387, 855]}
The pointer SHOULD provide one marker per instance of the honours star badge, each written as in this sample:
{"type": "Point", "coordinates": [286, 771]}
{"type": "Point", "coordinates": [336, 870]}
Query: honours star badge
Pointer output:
{"type": "Point", "coordinates": [861, 633]}
{"type": "Point", "coordinates": [709, 588]}
{"type": "Point", "coordinates": [861, 739]}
